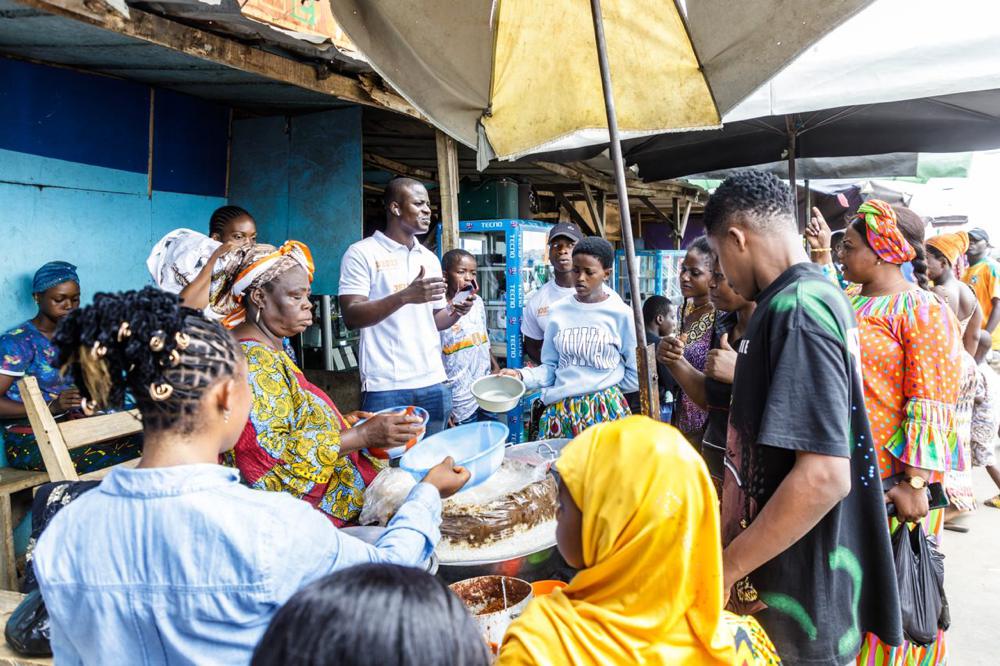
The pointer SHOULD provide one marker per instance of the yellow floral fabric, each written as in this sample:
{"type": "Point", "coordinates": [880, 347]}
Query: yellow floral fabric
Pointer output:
{"type": "Point", "coordinates": [292, 440]}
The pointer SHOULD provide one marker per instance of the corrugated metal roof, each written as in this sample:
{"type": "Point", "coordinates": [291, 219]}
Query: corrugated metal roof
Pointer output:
{"type": "Point", "coordinates": [35, 35]}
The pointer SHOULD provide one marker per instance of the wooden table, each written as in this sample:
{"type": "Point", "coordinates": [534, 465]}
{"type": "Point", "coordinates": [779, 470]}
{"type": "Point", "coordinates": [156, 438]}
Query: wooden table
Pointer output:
{"type": "Point", "coordinates": [8, 602]}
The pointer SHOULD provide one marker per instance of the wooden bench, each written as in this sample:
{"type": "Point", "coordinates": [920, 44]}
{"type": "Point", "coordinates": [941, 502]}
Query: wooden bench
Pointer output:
{"type": "Point", "coordinates": [55, 440]}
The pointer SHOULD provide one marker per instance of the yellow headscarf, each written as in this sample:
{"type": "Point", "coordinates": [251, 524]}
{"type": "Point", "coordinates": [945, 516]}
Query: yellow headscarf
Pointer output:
{"type": "Point", "coordinates": [651, 591]}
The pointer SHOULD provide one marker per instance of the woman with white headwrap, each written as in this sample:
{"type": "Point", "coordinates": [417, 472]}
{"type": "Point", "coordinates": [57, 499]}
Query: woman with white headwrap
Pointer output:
{"type": "Point", "coordinates": [296, 440]}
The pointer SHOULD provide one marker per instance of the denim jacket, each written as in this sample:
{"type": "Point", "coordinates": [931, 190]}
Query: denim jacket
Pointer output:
{"type": "Point", "coordinates": [183, 565]}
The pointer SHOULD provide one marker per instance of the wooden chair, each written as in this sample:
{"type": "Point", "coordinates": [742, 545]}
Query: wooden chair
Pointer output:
{"type": "Point", "coordinates": [55, 440]}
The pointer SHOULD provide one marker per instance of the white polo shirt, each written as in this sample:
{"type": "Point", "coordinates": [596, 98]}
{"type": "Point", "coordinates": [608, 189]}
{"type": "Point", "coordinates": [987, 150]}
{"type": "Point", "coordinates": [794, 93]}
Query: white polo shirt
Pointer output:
{"type": "Point", "coordinates": [403, 351]}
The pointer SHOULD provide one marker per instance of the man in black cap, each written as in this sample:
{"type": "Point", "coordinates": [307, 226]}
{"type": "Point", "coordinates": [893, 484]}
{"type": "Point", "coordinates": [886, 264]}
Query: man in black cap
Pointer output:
{"type": "Point", "coordinates": [562, 239]}
{"type": "Point", "coordinates": [983, 275]}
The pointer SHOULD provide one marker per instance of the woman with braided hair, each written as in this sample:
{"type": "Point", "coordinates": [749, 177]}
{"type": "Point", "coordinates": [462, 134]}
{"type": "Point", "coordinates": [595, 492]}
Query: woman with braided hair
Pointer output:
{"type": "Point", "coordinates": [296, 440]}
{"type": "Point", "coordinates": [183, 261]}
{"type": "Point", "coordinates": [175, 561]}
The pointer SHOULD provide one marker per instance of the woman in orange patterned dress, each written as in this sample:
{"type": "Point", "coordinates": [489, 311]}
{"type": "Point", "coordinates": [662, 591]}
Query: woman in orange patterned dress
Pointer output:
{"type": "Point", "coordinates": [911, 364]}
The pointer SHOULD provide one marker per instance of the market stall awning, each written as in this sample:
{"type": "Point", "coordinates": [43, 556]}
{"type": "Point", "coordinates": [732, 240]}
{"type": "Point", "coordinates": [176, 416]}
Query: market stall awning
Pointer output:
{"type": "Point", "coordinates": [519, 76]}
{"type": "Point", "coordinates": [951, 123]}
{"type": "Point", "coordinates": [891, 51]}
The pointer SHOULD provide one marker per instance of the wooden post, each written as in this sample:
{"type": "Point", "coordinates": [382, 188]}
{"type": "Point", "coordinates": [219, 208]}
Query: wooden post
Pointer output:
{"type": "Point", "coordinates": [595, 213]}
{"type": "Point", "coordinates": [447, 161]}
{"type": "Point", "coordinates": [49, 439]}
{"type": "Point", "coordinates": [684, 224]}
{"type": "Point", "coordinates": [648, 389]}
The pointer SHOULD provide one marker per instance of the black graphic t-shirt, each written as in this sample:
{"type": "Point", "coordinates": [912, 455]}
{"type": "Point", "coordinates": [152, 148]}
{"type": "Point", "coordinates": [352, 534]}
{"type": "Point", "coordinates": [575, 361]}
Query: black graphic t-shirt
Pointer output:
{"type": "Point", "coordinates": [798, 388]}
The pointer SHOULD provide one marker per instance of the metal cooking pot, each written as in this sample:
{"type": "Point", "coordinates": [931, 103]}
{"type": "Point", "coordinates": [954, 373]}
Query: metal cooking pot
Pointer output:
{"type": "Point", "coordinates": [542, 564]}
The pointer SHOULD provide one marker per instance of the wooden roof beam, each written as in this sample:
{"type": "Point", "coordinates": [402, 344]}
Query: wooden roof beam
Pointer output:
{"type": "Point", "coordinates": [397, 168]}
{"type": "Point", "coordinates": [227, 52]}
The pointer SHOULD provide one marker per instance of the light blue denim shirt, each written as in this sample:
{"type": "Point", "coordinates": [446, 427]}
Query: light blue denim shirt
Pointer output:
{"type": "Point", "coordinates": [183, 565]}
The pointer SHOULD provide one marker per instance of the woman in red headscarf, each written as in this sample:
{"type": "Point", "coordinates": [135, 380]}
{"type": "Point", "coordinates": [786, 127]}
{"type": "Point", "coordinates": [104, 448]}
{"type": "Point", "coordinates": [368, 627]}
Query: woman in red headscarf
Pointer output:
{"type": "Point", "coordinates": [911, 364]}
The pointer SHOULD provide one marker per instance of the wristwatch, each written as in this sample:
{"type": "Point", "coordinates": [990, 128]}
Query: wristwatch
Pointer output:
{"type": "Point", "coordinates": [915, 482]}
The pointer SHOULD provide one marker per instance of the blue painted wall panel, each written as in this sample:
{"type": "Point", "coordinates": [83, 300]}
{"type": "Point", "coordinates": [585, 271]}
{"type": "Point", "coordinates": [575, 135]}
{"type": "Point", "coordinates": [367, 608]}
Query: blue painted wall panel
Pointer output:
{"type": "Point", "coordinates": [258, 178]}
{"type": "Point", "coordinates": [301, 178]}
{"type": "Point", "coordinates": [60, 199]}
{"type": "Point", "coordinates": [58, 113]}
{"type": "Point", "coordinates": [190, 144]}
{"type": "Point", "coordinates": [325, 189]}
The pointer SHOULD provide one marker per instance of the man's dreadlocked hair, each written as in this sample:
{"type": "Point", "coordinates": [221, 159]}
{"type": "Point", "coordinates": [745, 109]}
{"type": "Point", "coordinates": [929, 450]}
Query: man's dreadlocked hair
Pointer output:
{"type": "Point", "coordinates": [143, 341]}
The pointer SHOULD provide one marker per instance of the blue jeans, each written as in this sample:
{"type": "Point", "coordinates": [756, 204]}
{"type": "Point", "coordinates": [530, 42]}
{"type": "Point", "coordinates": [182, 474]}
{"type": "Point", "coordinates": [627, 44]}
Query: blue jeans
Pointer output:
{"type": "Point", "coordinates": [479, 416]}
{"type": "Point", "coordinates": [436, 399]}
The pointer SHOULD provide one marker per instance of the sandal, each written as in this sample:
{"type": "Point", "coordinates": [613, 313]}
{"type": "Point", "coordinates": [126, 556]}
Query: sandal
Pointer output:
{"type": "Point", "coordinates": [955, 527]}
{"type": "Point", "coordinates": [993, 502]}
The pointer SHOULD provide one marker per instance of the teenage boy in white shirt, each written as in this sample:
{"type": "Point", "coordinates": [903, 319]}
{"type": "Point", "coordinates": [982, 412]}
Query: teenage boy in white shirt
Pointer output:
{"type": "Point", "coordinates": [563, 237]}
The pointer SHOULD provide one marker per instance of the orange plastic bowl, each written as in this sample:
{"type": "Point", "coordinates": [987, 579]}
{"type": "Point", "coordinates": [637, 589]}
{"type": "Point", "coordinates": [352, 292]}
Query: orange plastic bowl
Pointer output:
{"type": "Point", "coordinates": [542, 587]}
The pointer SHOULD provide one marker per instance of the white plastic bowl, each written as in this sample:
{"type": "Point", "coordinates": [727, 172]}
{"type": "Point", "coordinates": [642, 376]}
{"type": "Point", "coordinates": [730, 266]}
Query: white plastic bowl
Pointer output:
{"type": "Point", "coordinates": [498, 393]}
{"type": "Point", "coordinates": [397, 451]}
{"type": "Point", "coordinates": [479, 447]}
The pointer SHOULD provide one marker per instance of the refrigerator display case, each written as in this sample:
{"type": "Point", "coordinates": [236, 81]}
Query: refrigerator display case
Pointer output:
{"type": "Point", "coordinates": [512, 259]}
{"type": "Point", "coordinates": [658, 274]}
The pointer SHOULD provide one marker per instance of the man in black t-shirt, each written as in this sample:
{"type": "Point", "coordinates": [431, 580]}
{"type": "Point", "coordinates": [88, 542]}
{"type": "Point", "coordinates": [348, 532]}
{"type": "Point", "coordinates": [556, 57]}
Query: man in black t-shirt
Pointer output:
{"type": "Point", "coordinates": [803, 516]}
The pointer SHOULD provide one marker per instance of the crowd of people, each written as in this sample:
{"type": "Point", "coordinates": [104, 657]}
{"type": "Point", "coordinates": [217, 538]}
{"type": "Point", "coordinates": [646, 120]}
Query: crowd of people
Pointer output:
{"type": "Point", "coordinates": [813, 387]}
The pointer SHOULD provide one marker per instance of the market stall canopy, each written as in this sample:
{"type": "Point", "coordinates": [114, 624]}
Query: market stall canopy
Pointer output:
{"type": "Point", "coordinates": [892, 50]}
{"type": "Point", "coordinates": [950, 123]}
{"type": "Point", "coordinates": [909, 165]}
{"type": "Point", "coordinates": [519, 77]}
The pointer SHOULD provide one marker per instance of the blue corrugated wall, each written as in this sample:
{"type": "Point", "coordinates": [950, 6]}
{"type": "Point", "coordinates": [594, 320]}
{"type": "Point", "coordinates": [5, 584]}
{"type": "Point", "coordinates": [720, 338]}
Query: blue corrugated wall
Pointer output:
{"type": "Point", "coordinates": [302, 178]}
{"type": "Point", "coordinates": [74, 157]}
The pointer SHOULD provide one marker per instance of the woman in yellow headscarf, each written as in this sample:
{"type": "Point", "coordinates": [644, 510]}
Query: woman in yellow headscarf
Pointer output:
{"type": "Point", "coordinates": [646, 540]}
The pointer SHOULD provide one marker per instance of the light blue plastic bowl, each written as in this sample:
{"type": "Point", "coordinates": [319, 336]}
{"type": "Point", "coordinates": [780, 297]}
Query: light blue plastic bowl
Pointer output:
{"type": "Point", "coordinates": [478, 447]}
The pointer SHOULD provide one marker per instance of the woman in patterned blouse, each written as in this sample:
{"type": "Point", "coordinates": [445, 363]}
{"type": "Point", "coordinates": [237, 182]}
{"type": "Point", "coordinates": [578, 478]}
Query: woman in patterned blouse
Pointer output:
{"type": "Point", "coordinates": [296, 440]}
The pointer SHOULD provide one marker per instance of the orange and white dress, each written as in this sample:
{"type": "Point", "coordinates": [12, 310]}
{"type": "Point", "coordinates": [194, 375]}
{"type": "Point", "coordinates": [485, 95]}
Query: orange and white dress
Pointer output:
{"type": "Point", "coordinates": [911, 357]}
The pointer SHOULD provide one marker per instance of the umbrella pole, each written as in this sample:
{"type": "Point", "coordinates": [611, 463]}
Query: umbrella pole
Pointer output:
{"type": "Point", "coordinates": [790, 125]}
{"type": "Point", "coordinates": [645, 356]}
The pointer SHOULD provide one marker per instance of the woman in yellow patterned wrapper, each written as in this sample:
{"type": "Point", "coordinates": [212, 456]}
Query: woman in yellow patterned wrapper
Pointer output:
{"type": "Point", "coordinates": [646, 541]}
{"type": "Point", "coordinates": [296, 440]}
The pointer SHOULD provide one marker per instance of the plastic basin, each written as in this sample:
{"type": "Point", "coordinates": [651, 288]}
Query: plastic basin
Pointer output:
{"type": "Point", "coordinates": [542, 587]}
{"type": "Point", "coordinates": [498, 393]}
{"type": "Point", "coordinates": [479, 447]}
{"type": "Point", "coordinates": [397, 451]}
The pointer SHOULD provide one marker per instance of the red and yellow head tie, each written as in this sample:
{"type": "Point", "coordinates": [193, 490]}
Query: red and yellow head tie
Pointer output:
{"type": "Point", "coordinates": [882, 231]}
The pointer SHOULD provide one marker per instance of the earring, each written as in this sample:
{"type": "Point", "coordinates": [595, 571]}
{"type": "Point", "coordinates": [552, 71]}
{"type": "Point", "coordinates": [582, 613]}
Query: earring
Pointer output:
{"type": "Point", "coordinates": [225, 414]}
{"type": "Point", "coordinates": [256, 319]}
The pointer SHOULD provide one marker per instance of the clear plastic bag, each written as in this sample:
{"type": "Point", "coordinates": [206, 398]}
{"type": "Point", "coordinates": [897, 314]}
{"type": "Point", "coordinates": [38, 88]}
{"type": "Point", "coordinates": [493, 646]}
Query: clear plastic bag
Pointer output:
{"type": "Point", "coordinates": [384, 495]}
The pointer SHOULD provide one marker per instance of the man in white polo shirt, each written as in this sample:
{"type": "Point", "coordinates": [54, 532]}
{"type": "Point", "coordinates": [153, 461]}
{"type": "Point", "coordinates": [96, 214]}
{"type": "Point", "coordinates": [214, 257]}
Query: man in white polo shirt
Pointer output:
{"type": "Point", "coordinates": [391, 287]}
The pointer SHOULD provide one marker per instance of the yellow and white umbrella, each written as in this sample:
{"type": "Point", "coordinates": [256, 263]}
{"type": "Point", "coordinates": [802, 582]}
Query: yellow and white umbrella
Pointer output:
{"type": "Point", "coordinates": [514, 77]}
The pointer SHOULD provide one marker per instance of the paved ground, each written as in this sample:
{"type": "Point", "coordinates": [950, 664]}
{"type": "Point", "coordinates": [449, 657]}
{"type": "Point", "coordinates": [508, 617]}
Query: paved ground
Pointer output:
{"type": "Point", "coordinates": [972, 581]}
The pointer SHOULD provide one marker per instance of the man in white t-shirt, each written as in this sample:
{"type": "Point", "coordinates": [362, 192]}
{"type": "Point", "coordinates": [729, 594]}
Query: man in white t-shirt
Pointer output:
{"type": "Point", "coordinates": [562, 239]}
{"type": "Point", "coordinates": [391, 287]}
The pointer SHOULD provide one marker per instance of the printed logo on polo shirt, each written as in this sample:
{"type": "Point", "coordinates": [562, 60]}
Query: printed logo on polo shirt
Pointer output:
{"type": "Point", "coordinates": [387, 264]}
{"type": "Point", "coordinates": [587, 346]}
{"type": "Point", "coordinates": [398, 287]}
{"type": "Point", "coordinates": [542, 311]}
{"type": "Point", "coordinates": [744, 346]}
